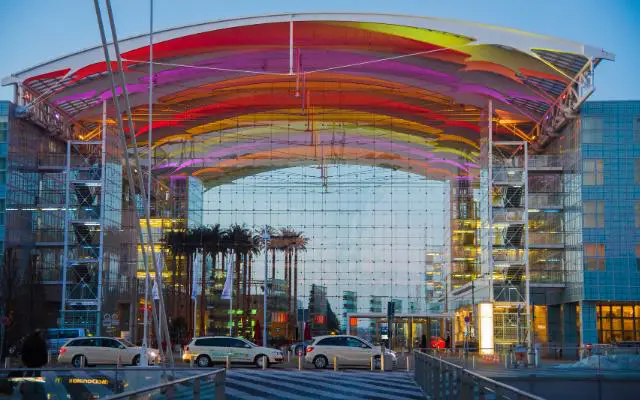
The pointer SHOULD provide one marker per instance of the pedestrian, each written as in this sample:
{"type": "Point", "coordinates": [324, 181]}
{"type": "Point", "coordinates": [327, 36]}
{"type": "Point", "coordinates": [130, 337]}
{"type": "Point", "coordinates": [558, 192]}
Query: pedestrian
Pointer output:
{"type": "Point", "coordinates": [423, 344]}
{"type": "Point", "coordinates": [34, 355]}
{"type": "Point", "coordinates": [447, 342]}
{"type": "Point", "coordinates": [34, 350]}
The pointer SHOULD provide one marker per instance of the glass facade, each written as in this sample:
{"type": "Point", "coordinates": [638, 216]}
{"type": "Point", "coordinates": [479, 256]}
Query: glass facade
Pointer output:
{"type": "Point", "coordinates": [4, 134]}
{"type": "Point", "coordinates": [611, 196]}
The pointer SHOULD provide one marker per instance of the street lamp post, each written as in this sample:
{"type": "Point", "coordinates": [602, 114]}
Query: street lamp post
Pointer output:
{"type": "Point", "coordinates": [265, 237]}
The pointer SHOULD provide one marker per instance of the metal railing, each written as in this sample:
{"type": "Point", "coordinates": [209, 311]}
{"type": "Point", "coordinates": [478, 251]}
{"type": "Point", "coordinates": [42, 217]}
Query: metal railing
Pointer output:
{"type": "Point", "coordinates": [545, 161]}
{"type": "Point", "coordinates": [209, 385]}
{"type": "Point", "coordinates": [115, 383]}
{"type": "Point", "coordinates": [440, 379]}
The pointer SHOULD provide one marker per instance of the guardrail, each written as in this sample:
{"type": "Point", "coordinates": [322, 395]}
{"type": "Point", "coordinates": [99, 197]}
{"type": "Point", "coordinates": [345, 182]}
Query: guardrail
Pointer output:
{"type": "Point", "coordinates": [440, 379]}
{"type": "Point", "coordinates": [209, 385]}
{"type": "Point", "coordinates": [114, 383]}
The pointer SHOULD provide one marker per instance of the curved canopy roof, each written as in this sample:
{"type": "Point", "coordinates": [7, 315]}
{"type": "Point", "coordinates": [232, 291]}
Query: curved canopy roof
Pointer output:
{"type": "Point", "coordinates": [267, 92]}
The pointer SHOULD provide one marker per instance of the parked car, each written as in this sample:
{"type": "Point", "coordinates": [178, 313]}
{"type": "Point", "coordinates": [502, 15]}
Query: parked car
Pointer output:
{"type": "Point", "coordinates": [85, 351]}
{"type": "Point", "coordinates": [298, 349]}
{"type": "Point", "coordinates": [205, 351]}
{"type": "Point", "coordinates": [56, 337]}
{"type": "Point", "coordinates": [349, 350]}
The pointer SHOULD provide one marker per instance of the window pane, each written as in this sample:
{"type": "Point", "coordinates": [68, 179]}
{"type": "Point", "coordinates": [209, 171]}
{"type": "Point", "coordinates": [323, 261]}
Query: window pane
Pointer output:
{"type": "Point", "coordinates": [627, 311]}
{"type": "Point", "coordinates": [606, 324]}
{"type": "Point", "coordinates": [589, 250]}
{"type": "Point", "coordinates": [599, 172]}
{"type": "Point", "coordinates": [637, 210]}
{"type": "Point", "coordinates": [617, 324]}
{"type": "Point", "coordinates": [616, 311]}
{"type": "Point", "coordinates": [589, 220]}
{"type": "Point", "coordinates": [636, 173]}
{"type": "Point", "coordinates": [628, 324]}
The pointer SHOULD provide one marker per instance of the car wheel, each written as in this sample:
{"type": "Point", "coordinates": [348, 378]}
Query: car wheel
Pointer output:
{"type": "Point", "coordinates": [77, 362]}
{"type": "Point", "coordinates": [260, 359]}
{"type": "Point", "coordinates": [136, 360]}
{"type": "Point", "coordinates": [320, 362]}
{"type": "Point", "coordinates": [203, 361]}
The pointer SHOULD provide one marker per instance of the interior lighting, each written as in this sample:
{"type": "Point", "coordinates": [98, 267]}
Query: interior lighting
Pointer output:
{"type": "Point", "coordinates": [485, 332]}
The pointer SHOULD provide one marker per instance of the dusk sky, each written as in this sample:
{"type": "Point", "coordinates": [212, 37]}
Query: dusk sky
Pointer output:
{"type": "Point", "coordinates": [39, 30]}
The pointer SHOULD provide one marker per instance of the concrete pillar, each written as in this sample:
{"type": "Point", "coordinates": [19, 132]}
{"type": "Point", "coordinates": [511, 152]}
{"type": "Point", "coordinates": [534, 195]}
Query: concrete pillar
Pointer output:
{"type": "Point", "coordinates": [570, 330]}
{"type": "Point", "coordinates": [588, 331]}
{"type": "Point", "coordinates": [554, 328]}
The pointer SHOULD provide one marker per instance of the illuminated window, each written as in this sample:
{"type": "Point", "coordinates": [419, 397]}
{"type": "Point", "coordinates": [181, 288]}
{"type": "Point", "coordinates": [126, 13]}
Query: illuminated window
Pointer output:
{"type": "Point", "coordinates": [594, 214]}
{"type": "Point", "coordinates": [593, 172]}
{"type": "Point", "coordinates": [616, 323]}
{"type": "Point", "coordinates": [594, 257]}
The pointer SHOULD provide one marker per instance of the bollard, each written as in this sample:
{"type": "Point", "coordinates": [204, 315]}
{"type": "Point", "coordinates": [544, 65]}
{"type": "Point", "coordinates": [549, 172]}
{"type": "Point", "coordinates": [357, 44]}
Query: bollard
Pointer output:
{"type": "Point", "coordinates": [228, 363]}
{"type": "Point", "coordinates": [299, 362]}
{"type": "Point", "coordinates": [265, 361]}
{"type": "Point", "coordinates": [82, 361]}
{"type": "Point", "coordinates": [48, 357]}
{"type": "Point", "coordinates": [191, 361]}
{"type": "Point", "coordinates": [7, 362]}
{"type": "Point", "coordinates": [335, 363]}
{"type": "Point", "coordinates": [506, 362]}
{"type": "Point", "coordinates": [473, 362]}
{"type": "Point", "coordinates": [373, 363]}
{"type": "Point", "coordinates": [382, 363]}
{"type": "Point", "coordinates": [288, 356]}
{"type": "Point", "coordinates": [408, 363]}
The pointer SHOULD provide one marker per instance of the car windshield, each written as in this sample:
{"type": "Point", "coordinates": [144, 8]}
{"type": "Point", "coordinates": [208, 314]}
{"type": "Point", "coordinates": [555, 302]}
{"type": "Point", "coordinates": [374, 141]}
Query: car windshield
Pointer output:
{"type": "Point", "coordinates": [368, 343]}
{"type": "Point", "coordinates": [127, 343]}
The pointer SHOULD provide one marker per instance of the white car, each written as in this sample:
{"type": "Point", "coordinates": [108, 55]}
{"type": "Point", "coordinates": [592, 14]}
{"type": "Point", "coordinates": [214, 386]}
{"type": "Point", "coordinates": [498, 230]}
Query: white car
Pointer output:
{"type": "Point", "coordinates": [205, 351]}
{"type": "Point", "coordinates": [349, 351]}
{"type": "Point", "coordinates": [85, 351]}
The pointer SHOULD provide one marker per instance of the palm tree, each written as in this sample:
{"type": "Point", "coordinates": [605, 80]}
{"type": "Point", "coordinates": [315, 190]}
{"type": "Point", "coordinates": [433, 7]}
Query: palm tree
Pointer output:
{"type": "Point", "coordinates": [175, 241]}
{"type": "Point", "coordinates": [211, 244]}
{"type": "Point", "coordinates": [300, 244]}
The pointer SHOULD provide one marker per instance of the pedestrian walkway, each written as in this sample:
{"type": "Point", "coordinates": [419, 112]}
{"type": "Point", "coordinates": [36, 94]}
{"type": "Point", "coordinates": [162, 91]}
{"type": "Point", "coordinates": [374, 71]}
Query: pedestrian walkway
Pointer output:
{"type": "Point", "coordinates": [297, 385]}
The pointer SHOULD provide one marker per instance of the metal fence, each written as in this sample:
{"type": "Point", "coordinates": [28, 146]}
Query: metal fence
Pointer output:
{"type": "Point", "coordinates": [112, 383]}
{"type": "Point", "coordinates": [440, 379]}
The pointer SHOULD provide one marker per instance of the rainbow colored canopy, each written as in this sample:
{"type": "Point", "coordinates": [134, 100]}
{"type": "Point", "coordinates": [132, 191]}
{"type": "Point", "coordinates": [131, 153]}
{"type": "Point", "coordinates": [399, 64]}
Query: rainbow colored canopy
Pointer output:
{"type": "Point", "coordinates": [237, 96]}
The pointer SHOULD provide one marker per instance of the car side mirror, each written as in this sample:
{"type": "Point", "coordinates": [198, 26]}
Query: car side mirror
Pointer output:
{"type": "Point", "coordinates": [246, 346]}
{"type": "Point", "coordinates": [121, 347]}
{"type": "Point", "coordinates": [364, 346]}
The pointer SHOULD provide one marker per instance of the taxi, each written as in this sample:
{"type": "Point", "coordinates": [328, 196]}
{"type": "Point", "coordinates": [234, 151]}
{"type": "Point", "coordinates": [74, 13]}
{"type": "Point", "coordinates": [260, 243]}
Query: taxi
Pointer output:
{"type": "Point", "coordinates": [206, 351]}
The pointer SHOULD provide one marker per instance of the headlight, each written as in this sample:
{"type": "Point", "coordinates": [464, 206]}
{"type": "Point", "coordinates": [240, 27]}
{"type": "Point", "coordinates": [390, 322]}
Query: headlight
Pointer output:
{"type": "Point", "coordinates": [153, 354]}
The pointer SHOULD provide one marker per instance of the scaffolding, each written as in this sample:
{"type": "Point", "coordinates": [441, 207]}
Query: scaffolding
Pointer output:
{"type": "Point", "coordinates": [505, 237]}
{"type": "Point", "coordinates": [83, 235]}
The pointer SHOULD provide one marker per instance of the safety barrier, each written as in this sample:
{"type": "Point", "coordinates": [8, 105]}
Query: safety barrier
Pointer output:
{"type": "Point", "coordinates": [116, 383]}
{"type": "Point", "coordinates": [440, 379]}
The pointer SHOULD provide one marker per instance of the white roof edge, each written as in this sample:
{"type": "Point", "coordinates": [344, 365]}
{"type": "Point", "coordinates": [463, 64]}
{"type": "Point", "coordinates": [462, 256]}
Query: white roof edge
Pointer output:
{"type": "Point", "coordinates": [483, 33]}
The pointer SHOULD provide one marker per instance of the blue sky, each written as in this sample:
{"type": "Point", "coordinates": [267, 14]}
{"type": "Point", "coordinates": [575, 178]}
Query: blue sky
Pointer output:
{"type": "Point", "coordinates": [37, 30]}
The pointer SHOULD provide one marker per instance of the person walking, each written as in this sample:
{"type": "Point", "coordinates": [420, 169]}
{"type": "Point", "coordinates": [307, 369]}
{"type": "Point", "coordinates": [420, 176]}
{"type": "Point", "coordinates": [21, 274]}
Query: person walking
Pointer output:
{"type": "Point", "coordinates": [34, 350]}
{"type": "Point", "coordinates": [34, 355]}
{"type": "Point", "coordinates": [447, 342]}
{"type": "Point", "coordinates": [423, 344]}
